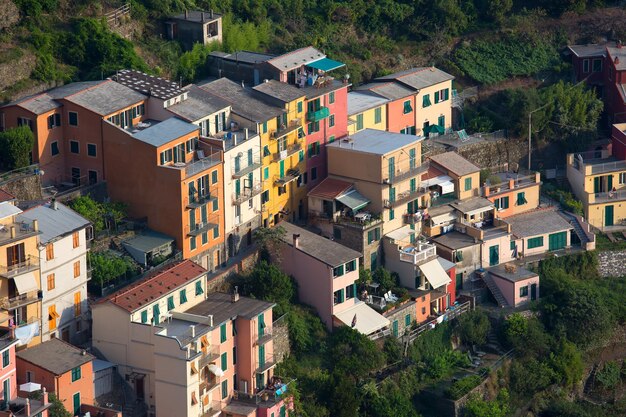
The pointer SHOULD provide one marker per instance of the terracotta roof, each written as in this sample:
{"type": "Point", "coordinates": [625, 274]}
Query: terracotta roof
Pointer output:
{"type": "Point", "coordinates": [330, 188]}
{"type": "Point", "coordinates": [155, 285]}
{"type": "Point", "coordinates": [455, 163]}
{"type": "Point", "coordinates": [4, 196]}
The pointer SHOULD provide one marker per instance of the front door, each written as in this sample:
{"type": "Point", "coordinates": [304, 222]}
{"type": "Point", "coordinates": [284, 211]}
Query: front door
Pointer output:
{"type": "Point", "coordinates": [139, 389]}
{"type": "Point", "coordinates": [494, 256]}
{"type": "Point", "coordinates": [533, 291]}
{"type": "Point", "coordinates": [608, 216]}
{"type": "Point", "coordinates": [6, 389]}
{"type": "Point", "coordinates": [77, 403]}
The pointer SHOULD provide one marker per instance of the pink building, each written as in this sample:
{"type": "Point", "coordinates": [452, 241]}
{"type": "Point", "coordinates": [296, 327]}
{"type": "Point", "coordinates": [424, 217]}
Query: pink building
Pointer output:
{"type": "Point", "coordinates": [326, 273]}
{"type": "Point", "coordinates": [400, 107]}
{"type": "Point", "coordinates": [517, 286]}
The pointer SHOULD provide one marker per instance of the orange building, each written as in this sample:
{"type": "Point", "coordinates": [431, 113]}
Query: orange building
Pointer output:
{"type": "Point", "coordinates": [66, 122]}
{"type": "Point", "coordinates": [60, 368]}
{"type": "Point", "coordinates": [171, 177]}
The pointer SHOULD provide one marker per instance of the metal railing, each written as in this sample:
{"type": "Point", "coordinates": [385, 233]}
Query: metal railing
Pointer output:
{"type": "Point", "coordinates": [405, 197]}
{"type": "Point", "coordinates": [270, 393]}
{"type": "Point", "coordinates": [412, 218]}
{"type": "Point", "coordinates": [196, 200]}
{"type": "Point", "coordinates": [286, 129]}
{"type": "Point", "coordinates": [201, 227]}
{"type": "Point", "coordinates": [267, 335]}
{"type": "Point", "coordinates": [31, 263]}
{"type": "Point", "coordinates": [291, 149]}
{"type": "Point", "coordinates": [606, 197]}
{"type": "Point", "coordinates": [517, 182]}
{"type": "Point", "coordinates": [16, 230]}
{"type": "Point", "coordinates": [19, 301]}
{"type": "Point", "coordinates": [399, 175]}
{"type": "Point", "coordinates": [452, 313]}
{"type": "Point", "coordinates": [202, 164]}
{"type": "Point", "coordinates": [211, 409]}
{"type": "Point", "coordinates": [247, 193]}
{"type": "Point", "coordinates": [252, 165]}
{"type": "Point", "coordinates": [268, 363]}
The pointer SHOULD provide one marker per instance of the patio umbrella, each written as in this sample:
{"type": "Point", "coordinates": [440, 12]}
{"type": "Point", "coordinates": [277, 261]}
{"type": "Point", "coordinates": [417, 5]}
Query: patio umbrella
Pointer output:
{"type": "Point", "coordinates": [30, 387]}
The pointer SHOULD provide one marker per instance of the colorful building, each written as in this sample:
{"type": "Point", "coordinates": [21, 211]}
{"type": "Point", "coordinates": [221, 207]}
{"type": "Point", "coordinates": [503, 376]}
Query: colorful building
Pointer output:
{"type": "Point", "coordinates": [60, 368]}
{"type": "Point", "coordinates": [366, 111]}
{"type": "Point", "coordinates": [514, 193]}
{"type": "Point", "coordinates": [450, 167]}
{"type": "Point", "coordinates": [63, 247]}
{"type": "Point", "coordinates": [512, 286]}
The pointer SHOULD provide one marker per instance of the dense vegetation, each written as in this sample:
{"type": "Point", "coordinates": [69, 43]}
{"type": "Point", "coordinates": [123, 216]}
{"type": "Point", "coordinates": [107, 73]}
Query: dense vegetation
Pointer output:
{"type": "Point", "coordinates": [15, 147]}
{"type": "Point", "coordinates": [101, 215]}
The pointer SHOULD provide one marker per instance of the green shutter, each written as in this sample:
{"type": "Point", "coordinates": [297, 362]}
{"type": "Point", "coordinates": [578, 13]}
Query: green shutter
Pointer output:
{"type": "Point", "coordinates": [407, 107]}
{"type": "Point", "coordinates": [378, 115]}
{"type": "Point", "coordinates": [392, 214]}
{"type": "Point", "coordinates": [261, 325]}
{"type": "Point", "coordinates": [144, 316]}
{"type": "Point", "coordinates": [261, 356]}
{"type": "Point", "coordinates": [155, 314]}
{"type": "Point", "coordinates": [426, 100]}
{"type": "Point", "coordinates": [505, 202]}
{"type": "Point", "coordinates": [199, 289]}
{"type": "Point", "coordinates": [359, 121]}
{"type": "Point", "coordinates": [468, 184]}
{"type": "Point", "coordinates": [223, 333]}
{"type": "Point", "coordinates": [596, 184]}
{"type": "Point", "coordinates": [342, 297]}
{"type": "Point", "coordinates": [224, 389]}
{"type": "Point", "coordinates": [407, 320]}
{"type": "Point", "coordinates": [535, 242]}
{"type": "Point", "coordinates": [392, 194]}
{"type": "Point", "coordinates": [299, 107]}
{"type": "Point", "coordinates": [183, 296]}
{"type": "Point", "coordinates": [170, 303]}
{"type": "Point", "coordinates": [224, 359]}
{"type": "Point", "coordinates": [446, 94]}
{"type": "Point", "coordinates": [436, 97]}
{"type": "Point", "coordinates": [395, 328]}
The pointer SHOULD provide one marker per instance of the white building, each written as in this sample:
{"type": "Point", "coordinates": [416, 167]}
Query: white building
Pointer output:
{"type": "Point", "coordinates": [63, 247]}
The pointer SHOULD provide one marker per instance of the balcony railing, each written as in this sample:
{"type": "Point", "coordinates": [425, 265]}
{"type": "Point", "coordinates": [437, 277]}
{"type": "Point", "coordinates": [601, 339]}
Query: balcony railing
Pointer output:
{"type": "Point", "coordinates": [399, 176]}
{"type": "Point", "coordinates": [196, 200]}
{"type": "Point", "coordinates": [606, 197]}
{"type": "Point", "coordinates": [273, 392]}
{"type": "Point", "coordinates": [418, 253]}
{"type": "Point", "coordinates": [210, 355]}
{"type": "Point", "coordinates": [19, 301]}
{"type": "Point", "coordinates": [291, 149]}
{"type": "Point", "coordinates": [211, 409]}
{"type": "Point", "coordinates": [513, 183]}
{"type": "Point", "coordinates": [201, 227]}
{"type": "Point", "coordinates": [252, 165]}
{"type": "Point", "coordinates": [247, 193]}
{"type": "Point", "coordinates": [412, 218]}
{"type": "Point", "coordinates": [16, 231]}
{"type": "Point", "coordinates": [405, 197]}
{"type": "Point", "coordinates": [287, 129]}
{"type": "Point", "coordinates": [268, 363]}
{"type": "Point", "coordinates": [316, 116]}
{"type": "Point", "coordinates": [264, 338]}
{"type": "Point", "coordinates": [202, 164]}
{"type": "Point", "coordinates": [208, 385]}
{"type": "Point", "coordinates": [31, 263]}
{"type": "Point", "coordinates": [291, 175]}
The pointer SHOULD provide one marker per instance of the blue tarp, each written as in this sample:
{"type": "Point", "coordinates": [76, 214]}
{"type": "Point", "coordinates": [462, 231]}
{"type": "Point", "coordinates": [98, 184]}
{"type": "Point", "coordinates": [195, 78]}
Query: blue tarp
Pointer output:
{"type": "Point", "coordinates": [326, 64]}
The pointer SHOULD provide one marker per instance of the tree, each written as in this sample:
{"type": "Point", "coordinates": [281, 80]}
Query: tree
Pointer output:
{"type": "Point", "coordinates": [477, 407]}
{"type": "Point", "coordinates": [353, 353]}
{"type": "Point", "coordinates": [101, 215]}
{"type": "Point", "coordinates": [386, 279]}
{"type": "Point", "coordinates": [269, 283]}
{"type": "Point", "coordinates": [15, 147]}
{"type": "Point", "coordinates": [568, 363]}
{"type": "Point", "coordinates": [609, 376]}
{"type": "Point", "coordinates": [474, 327]}
{"type": "Point", "coordinates": [57, 409]}
{"type": "Point", "coordinates": [270, 241]}
{"type": "Point", "coordinates": [344, 400]}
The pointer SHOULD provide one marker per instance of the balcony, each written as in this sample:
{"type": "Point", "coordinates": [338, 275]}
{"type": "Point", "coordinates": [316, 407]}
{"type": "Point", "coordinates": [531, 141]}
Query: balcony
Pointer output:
{"type": "Point", "coordinates": [418, 253]}
{"type": "Point", "coordinates": [19, 301]}
{"type": "Point", "coordinates": [210, 409]}
{"type": "Point", "coordinates": [284, 130]}
{"type": "Point", "coordinates": [316, 116]}
{"type": "Point", "coordinates": [208, 385]}
{"type": "Point", "coordinates": [267, 364]}
{"type": "Point", "coordinates": [273, 392]}
{"type": "Point", "coordinates": [412, 218]}
{"type": "Point", "coordinates": [247, 193]}
{"type": "Point", "coordinates": [405, 197]}
{"type": "Point", "coordinates": [31, 263]}
{"type": "Point", "coordinates": [291, 149]}
{"type": "Point", "coordinates": [252, 165]}
{"type": "Point", "coordinates": [292, 175]}
{"type": "Point", "coordinates": [209, 355]}
{"type": "Point", "coordinates": [16, 231]}
{"type": "Point", "coordinates": [197, 200]}
{"type": "Point", "coordinates": [593, 163]}
{"type": "Point", "coordinates": [264, 338]}
{"type": "Point", "coordinates": [512, 182]}
{"type": "Point", "coordinates": [607, 197]}
{"type": "Point", "coordinates": [363, 222]}
{"type": "Point", "coordinates": [200, 227]}
{"type": "Point", "coordinates": [400, 176]}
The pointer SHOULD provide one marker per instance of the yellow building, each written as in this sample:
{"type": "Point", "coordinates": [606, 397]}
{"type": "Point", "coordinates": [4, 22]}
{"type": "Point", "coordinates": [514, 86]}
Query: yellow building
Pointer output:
{"type": "Point", "coordinates": [20, 304]}
{"type": "Point", "coordinates": [452, 167]}
{"type": "Point", "coordinates": [366, 111]}
{"type": "Point", "coordinates": [599, 182]}
{"type": "Point", "coordinates": [276, 111]}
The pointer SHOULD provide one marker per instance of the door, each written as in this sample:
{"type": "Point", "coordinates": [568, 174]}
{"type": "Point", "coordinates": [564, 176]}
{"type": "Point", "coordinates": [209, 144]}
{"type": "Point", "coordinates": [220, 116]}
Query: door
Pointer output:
{"type": "Point", "coordinates": [557, 241]}
{"type": "Point", "coordinates": [608, 216]}
{"type": "Point", "coordinates": [76, 403]}
{"type": "Point", "coordinates": [260, 381]}
{"type": "Point", "coordinates": [139, 388]}
{"type": "Point", "coordinates": [281, 166]}
{"type": "Point", "coordinates": [494, 255]}
{"type": "Point", "coordinates": [261, 356]}
{"type": "Point", "coordinates": [65, 335]}
{"type": "Point", "coordinates": [237, 164]}
{"type": "Point", "coordinates": [250, 159]}
{"type": "Point", "coordinates": [533, 291]}
{"type": "Point", "coordinates": [442, 121]}
{"type": "Point", "coordinates": [237, 188]}
{"type": "Point", "coordinates": [76, 176]}
{"type": "Point", "coordinates": [15, 255]}
{"type": "Point", "coordinates": [93, 177]}
{"type": "Point", "coordinates": [6, 390]}
{"type": "Point", "coordinates": [395, 328]}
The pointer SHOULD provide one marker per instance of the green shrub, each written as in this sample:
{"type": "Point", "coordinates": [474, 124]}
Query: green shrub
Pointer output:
{"type": "Point", "coordinates": [15, 147]}
{"type": "Point", "coordinates": [461, 387]}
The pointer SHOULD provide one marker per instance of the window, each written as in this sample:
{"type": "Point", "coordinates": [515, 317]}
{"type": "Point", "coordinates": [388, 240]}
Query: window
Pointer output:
{"type": "Point", "coordinates": [359, 121]}
{"type": "Point", "coordinates": [91, 149]}
{"type": "Point", "coordinates": [299, 107]}
{"type": "Point", "coordinates": [331, 97]}
{"type": "Point", "coordinates": [535, 242]}
{"type": "Point", "coordinates": [224, 360]}
{"type": "Point", "coordinates": [76, 269]}
{"type": "Point", "coordinates": [338, 297]}
{"type": "Point", "coordinates": [74, 147]}
{"type": "Point", "coordinates": [331, 120]}
{"type": "Point", "coordinates": [234, 353]}
{"type": "Point", "coordinates": [338, 271]}
{"type": "Point", "coordinates": [513, 245]}
{"type": "Point", "coordinates": [378, 115]}
{"type": "Point", "coordinates": [521, 199]}
{"type": "Point", "coordinates": [205, 236]}
{"type": "Point", "coordinates": [192, 243]}
{"type": "Point", "coordinates": [264, 127]}
{"type": "Point", "coordinates": [426, 100]}
{"type": "Point", "coordinates": [351, 266]}
{"type": "Point", "coordinates": [49, 251]}
{"type": "Point", "coordinates": [407, 107]}
{"type": "Point", "coordinates": [51, 282]}
{"type": "Point", "coordinates": [216, 232]}
{"type": "Point", "coordinates": [156, 313]}
{"type": "Point", "coordinates": [313, 173]}
{"type": "Point", "coordinates": [224, 389]}
{"type": "Point", "coordinates": [502, 203]}
{"type": "Point", "coordinates": [170, 303]}
{"type": "Point", "coordinates": [144, 316]}
{"type": "Point", "coordinates": [468, 184]}
{"type": "Point", "coordinates": [215, 205]}
{"type": "Point", "coordinates": [77, 304]}
{"type": "Point", "coordinates": [622, 177]}
{"type": "Point", "coordinates": [392, 194]}
{"type": "Point", "coordinates": [214, 177]}
{"type": "Point", "coordinates": [73, 118]}
{"type": "Point", "coordinates": [392, 214]}
{"type": "Point", "coordinates": [223, 333]}
{"type": "Point", "coordinates": [54, 148]}
{"type": "Point", "coordinates": [407, 320]}
{"type": "Point", "coordinates": [199, 289]}
{"type": "Point", "coordinates": [75, 240]}
{"type": "Point", "coordinates": [313, 149]}
{"type": "Point", "coordinates": [597, 65]}
{"type": "Point", "coordinates": [585, 65]}
{"type": "Point", "coordinates": [313, 127]}
{"type": "Point", "coordinates": [76, 374]}
{"type": "Point", "coordinates": [300, 156]}
{"type": "Point", "coordinates": [350, 291]}
{"type": "Point", "coordinates": [373, 235]}
{"type": "Point", "coordinates": [436, 97]}
{"type": "Point", "coordinates": [52, 317]}
{"type": "Point", "coordinates": [523, 291]}
{"type": "Point", "coordinates": [331, 138]}
{"type": "Point", "coordinates": [54, 120]}
{"type": "Point", "coordinates": [458, 256]}
{"type": "Point", "coordinates": [266, 173]}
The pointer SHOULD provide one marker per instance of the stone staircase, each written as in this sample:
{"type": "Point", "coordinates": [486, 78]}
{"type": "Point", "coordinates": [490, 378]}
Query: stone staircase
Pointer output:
{"type": "Point", "coordinates": [495, 291]}
{"type": "Point", "coordinates": [578, 229]}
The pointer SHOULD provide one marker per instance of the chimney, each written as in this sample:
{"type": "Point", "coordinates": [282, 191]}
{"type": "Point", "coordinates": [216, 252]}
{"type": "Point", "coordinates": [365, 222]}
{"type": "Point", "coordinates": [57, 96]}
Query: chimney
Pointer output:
{"type": "Point", "coordinates": [193, 330]}
{"type": "Point", "coordinates": [235, 295]}
{"type": "Point", "coordinates": [36, 225]}
{"type": "Point", "coordinates": [27, 407]}
{"type": "Point", "coordinates": [186, 14]}
{"type": "Point", "coordinates": [234, 140]}
{"type": "Point", "coordinates": [296, 240]}
{"type": "Point", "coordinates": [211, 14]}
{"type": "Point", "coordinates": [616, 60]}
{"type": "Point", "coordinates": [511, 184]}
{"type": "Point", "coordinates": [486, 191]}
{"type": "Point", "coordinates": [53, 204]}
{"type": "Point", "coordinates": [202, 16]}
{"type": "Point", "coordinates": [246, 132]}
{"type": "Point", "coordinates": [12, 234]}
{"type": "Point", "coordinates": [44, 397]}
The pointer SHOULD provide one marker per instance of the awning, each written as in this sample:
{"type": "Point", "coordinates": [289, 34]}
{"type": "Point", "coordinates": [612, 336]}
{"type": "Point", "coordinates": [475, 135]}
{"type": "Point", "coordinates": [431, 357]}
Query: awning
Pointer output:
{"type": "Point", "coordinates": [478, 211]}
{"type": "Point", "coordinates": [441, 179]}
{"type": "Point", "coordinates": [435, 129]}
{"type": "Point", "coordinates": [402, 234]}
{"type": "Point", "coordinates": [367, 320]}
{"type": "Point", "coordinates": [7, 210]}
{"type": "Point", "coordinates": [435, 274]}
{"type": "Point", "coordinates": [25, 283]}
{"type": "Point", "coordinates": [442, 218]}
{"type": "Point", "coordinates": [326, 64]}
{"type": "Point", "coordinates": [216, 370]}
{"type": "Point", "coordinates": [447, 187]}
{"type": "Point", "coordinates": [353, 199]}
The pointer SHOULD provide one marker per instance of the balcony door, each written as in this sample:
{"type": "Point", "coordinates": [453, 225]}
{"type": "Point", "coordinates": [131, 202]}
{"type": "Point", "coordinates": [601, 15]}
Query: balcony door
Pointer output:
{"type": "Point", "coordinates": [15, 255]}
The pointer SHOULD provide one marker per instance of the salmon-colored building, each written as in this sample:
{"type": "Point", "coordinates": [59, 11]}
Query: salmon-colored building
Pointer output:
{"type": "Point", "coordinates": [169, 176]}
{"type": "Point", "coordinates": [67, 124]}
{"type": "Point", "coordinates": [60, 368]}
